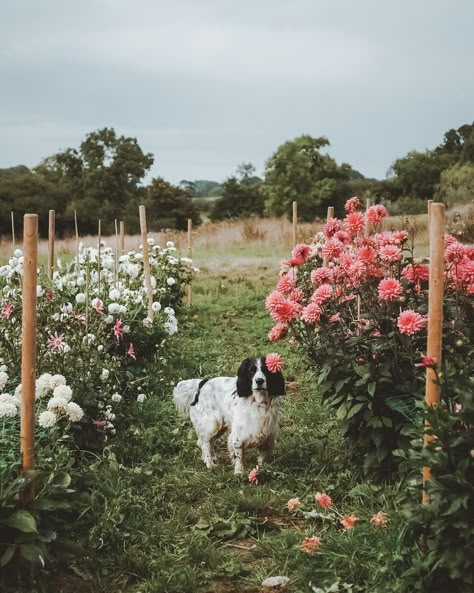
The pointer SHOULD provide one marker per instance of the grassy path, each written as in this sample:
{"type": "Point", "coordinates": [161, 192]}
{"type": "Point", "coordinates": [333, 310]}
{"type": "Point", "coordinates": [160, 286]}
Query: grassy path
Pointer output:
{"type": "Point", "coordinates": [161, 522]}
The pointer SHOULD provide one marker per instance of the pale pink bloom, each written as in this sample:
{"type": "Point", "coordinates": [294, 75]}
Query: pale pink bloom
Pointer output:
{"type": "Point", "coordinates": [366, 255]}
{"type": "Point", "coordinates": [56, 343]}
{"type": "Point", "coordinates": [390, 254]}
{"type": "Point", "coordinates": [389, 289]}
{"type": "Point", "coordinates": [352, 204]}
{"type": "Point", "coordinates": [131, 352]}
{"type": "Point", "coordinates": [322, 276]}
{"type": "Point", "coordinates": [455, 253]}
{"type": "Point", "coordinates": [410, 322]}
{"type": "Point", "coordinates": [379, 520]}
{"type": "Point", "coordinates": [301, 251]}
{"type": "Point", "coordinates": [278, 332]}
{"type": "Point", "coordinates": [354, 223]}
{"type": "Point", "coordinates": [376, 214]}
{"type": "Point", "coordinates": [310, 544]}
{"type": "Point", "coordinates": [286, 283]}
{"type": "Point", "coordinates": [118, 329]}
{"type": "Point", "coordinates": [281, 309]}
{"type": "Point", "coordinates": [296, 295]}
{"type": "Point", "coordinates": [449, 240]}
{"type": "Point", "coordinates": [332, 249]}
{"type": "Point", "coordinates": [293, 504]}
{"type": "Point", "coordinates": [416, 272]}
{"type": "Point", "coordinates": [322, 294]}
{"type": "Point", "coordinates": [99, 307]}
{"type": "Point", "coordinates": [253, 475]}
{"type": "Point", "coordinates": [311, 313]}
{"type": "Point", "coordinates": [7, 310]}
{"type": "Point", "coordinates": [348, 521]}
{"type": "Point", "coordinates": [457, 408]}
{"type": "Point", "coordinates": [343, 237]}
{"type": "Point", "coordinates": [332, 226]}
{"type": "Point", "coordinates": [323, 499]}
{"type": "Point", "coordinates": [274, 362]}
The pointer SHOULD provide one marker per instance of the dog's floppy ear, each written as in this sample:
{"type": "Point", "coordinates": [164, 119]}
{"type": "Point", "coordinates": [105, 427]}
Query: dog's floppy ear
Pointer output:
{"type": "Point", "coordinates": [275, 381]}
{"type": "Point", "coordinates": [244, 382]}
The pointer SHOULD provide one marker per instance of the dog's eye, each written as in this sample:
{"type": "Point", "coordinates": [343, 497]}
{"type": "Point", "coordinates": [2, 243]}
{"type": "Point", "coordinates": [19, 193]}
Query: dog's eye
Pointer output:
{"type": "Point", "coordinates": [253, 370]}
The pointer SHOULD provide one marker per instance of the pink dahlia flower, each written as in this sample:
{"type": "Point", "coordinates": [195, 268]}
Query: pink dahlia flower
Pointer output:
{"type": "Point", "coordinates": [389, 289]}
{"type": "Point", "coordinates": [323, 499]}
{"type": "Point", "coordinates": [286, 283]}
{"type": "Point", "coordinates": [376, 214]}
{"type": "Point", "coordinates": [390, 254]}
{"type": "Point", "coordinates": [274, 362]}
{"type": "Point", "coordinates": [322, 294]}
{"type": "Point", "coordinates": [354, 223]}
{"type": "Point", "coordinates": [310, 544]}
{"type": "Point", "coordinates": [311, 313]}
{"type": "Point", "coordinates": [278, 332]}
{"type": "Point", "coordinates": [410, 322]}
{"type": "Point", "coordinates": [352, 204]}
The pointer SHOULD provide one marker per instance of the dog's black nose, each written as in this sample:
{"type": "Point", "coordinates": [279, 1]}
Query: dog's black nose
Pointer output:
{"type": "Point", "coordinates": [259, 381]}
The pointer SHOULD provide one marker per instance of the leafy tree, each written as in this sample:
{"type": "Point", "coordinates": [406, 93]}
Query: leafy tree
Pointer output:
{"type": "Point", "coordinates": [168, 206]}
{"type": "Point", "coordinates": [239, 199]}
{"type": "Point", "coordinates": [298, 170]}
{"type": "Point", "coordinates": [457, 185]}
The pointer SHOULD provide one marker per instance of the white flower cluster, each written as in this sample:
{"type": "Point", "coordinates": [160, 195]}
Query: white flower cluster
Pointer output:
{"type": "Point", "coordinates": [60, 404]}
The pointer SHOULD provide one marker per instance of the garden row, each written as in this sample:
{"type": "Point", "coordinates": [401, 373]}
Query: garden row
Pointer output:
{"type": "Point", "coordinates": [354, 304]}
{"type": "Point", "coordinates": [99, 324]}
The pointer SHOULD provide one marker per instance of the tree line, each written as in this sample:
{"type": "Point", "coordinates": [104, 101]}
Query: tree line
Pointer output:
{"type": "Point", "coordinates": [104, 178]}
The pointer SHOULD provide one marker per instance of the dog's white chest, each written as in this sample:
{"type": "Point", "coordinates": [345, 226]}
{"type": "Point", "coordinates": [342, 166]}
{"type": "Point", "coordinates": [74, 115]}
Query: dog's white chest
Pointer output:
{"type": "Point", "coordinates": [253, 422]}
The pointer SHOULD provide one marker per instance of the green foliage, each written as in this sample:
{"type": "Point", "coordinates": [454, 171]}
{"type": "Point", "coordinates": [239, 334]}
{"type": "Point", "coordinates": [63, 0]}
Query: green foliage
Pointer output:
{"type": "Point", "coordinates": [239, 199]}
{"type": "Point", "coordinates": [407, 205]}
{"type": "Point", "coordinates": [456, 185]}
{"type": "Point", "coordinates": [445, 526]}
{"type": "Point", "coordinates": [298, 170]}
{"type": "Point", "coordinates": [169, 206]}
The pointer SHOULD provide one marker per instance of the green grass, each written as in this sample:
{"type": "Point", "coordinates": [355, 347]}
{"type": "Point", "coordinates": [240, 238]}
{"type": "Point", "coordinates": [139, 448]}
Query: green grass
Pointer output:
{"type": "Point", "coordinates": [157, 520]}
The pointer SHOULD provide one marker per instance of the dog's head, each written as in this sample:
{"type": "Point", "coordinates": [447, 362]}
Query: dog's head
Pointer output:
{"type": "Point", "coordinates": [254, 378]}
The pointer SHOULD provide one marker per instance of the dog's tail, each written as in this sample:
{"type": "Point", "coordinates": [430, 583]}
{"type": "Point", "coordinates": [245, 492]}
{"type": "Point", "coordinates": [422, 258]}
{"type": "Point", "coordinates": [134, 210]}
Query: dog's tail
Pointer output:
{"type": "Point", "coordinates": [186, 394]}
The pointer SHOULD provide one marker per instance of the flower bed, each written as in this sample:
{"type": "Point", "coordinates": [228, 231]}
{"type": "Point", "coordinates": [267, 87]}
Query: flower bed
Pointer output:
{"type": "Point", "coordinates": [95, 339]}
{"type": "Point", "coordinates": [355, 305]}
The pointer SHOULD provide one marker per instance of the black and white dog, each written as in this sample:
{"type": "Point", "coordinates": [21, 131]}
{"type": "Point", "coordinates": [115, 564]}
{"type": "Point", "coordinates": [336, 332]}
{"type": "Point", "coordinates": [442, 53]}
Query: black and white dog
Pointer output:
{"type": "Point", "coordinates": [248, 406]}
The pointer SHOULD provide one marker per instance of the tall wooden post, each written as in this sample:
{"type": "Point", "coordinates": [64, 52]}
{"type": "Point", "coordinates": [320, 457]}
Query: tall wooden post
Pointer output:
{"type": "Point", "coordinates": [99, 246]}
{"type": "Point", "coordinates": [190, 254]}
{"type": "Point", "coordinates": [367, 225]}
{"type": "Point", "coordinates": [122, 237]}
{"type": "Point", "coordinates": [28, 349]}
{"type": "Point", "coordinates": [430, 204]}
{"type": "Point", "coordinates": [51, 237]}
{"type": "Point", "coordinates": [435, 316]}
{"type": "Point", "coordinates": [330, 215]}
{"type": "Point", "coordinates": [295, 223]}
{"type": "Point", "coordinates": [13, 231]}
{"type": "Point", "coordinates": [77, 242]}
{"type": "Point", "coordinates": [146, 260]}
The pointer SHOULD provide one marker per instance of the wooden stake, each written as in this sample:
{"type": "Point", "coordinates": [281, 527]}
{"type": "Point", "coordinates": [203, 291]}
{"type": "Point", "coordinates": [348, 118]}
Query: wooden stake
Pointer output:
{"type": "Point", "coordinates": [13, 231]}
{"type": "Point", "coordinates": [330, 215]}
{"type": "Point", "coordinates": [435, 316]}
{"type": "Point", "coordinates": [367, 225]}
{"type": "Point", "coordinates": [77, 242]}
{"type": "Point", "coordinates": [190, 254]}
{"type": "Point", "coordinates": [430, 204]}
{"type": "Point", "coordinates": [116, 254]}
{"type": "Point", "coordinates": [28, 349]}
{"type": "Point", "coordinates": [146, 259]}
{"type": "Point", "coordinates": [51, 237]}
{"type": "Point", "coordinates": [295, 222]}
{"type": "Point", "coordinates": [122, 237]}
{"type": "Point", "coordinates": [98, 258]}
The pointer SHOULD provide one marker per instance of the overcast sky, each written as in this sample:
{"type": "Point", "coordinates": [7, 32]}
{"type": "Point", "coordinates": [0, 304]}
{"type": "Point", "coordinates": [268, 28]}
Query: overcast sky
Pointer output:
{"type": "Point", "coordinates": [207, 84]}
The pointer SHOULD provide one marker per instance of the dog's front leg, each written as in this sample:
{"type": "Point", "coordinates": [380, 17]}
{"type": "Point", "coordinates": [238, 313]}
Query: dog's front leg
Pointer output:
{"type": "Point", "coordinates": [236, 449]}
{"type": "Point", "coordinates": [266, 450]}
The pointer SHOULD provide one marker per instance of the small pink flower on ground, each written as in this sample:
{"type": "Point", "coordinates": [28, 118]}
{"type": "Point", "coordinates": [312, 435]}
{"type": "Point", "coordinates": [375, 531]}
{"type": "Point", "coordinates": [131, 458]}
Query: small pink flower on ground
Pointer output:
{"type": "Point", "coordinates": [274, 362]}
{"type": "Point", "coordinates": [310, 544]}
{"type": "Point", "coordinates": [389, 289]}
{"type": "Point", "coordinates": [379, 520]}
{"type": "Point", "coordinates": [427, 362]}
{"type": "Point", "coordinates": [323, 499]}
{"type": "Point", "coordinates": [131, 352]}
{"type": "Point", "coordinates": [376, 214]}
{"type": "Point", "coordinates": [348, 521]}
{"type": "Point", "coordinates": [253, 475]}
{"type": "Point", "coordinates": [118, 329]}
{"type": "Point", "coordinates": [292, 384]}
{"type": "Point", "coordinates": [278, 332]}
{"type": "Point", "coordinates": [293, 504]}
{"type": "Point", "coordinates": [354, 223]}
{"type": "Point", "coordinates": [352, 204]}
{"type": "Point", "coordinates": [56, 343]}
{"type": "Point", "coordinates": [410, 322]}
{"type": "Point", "coordinates": [7, 310]}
